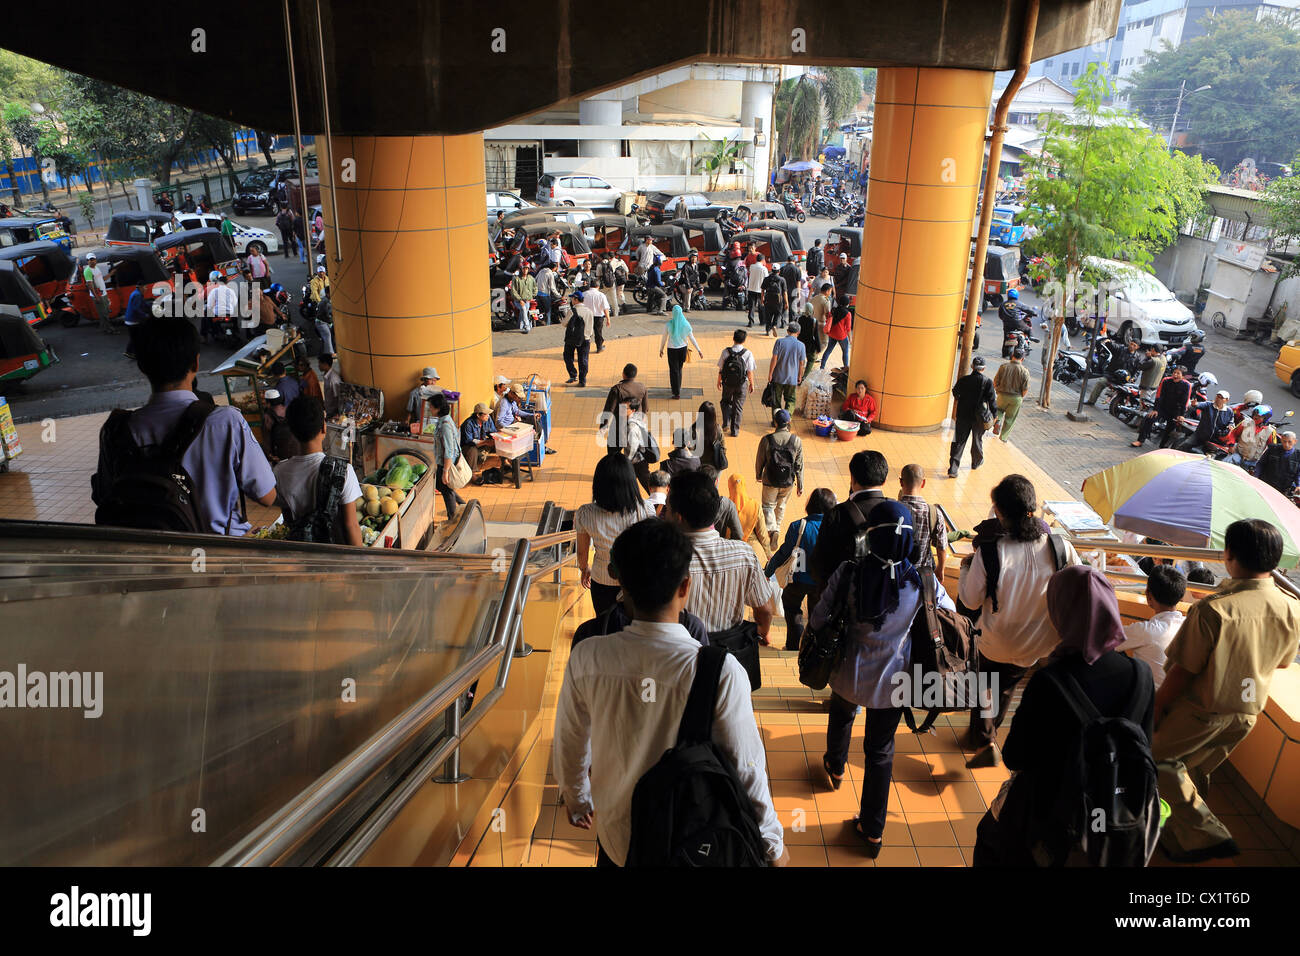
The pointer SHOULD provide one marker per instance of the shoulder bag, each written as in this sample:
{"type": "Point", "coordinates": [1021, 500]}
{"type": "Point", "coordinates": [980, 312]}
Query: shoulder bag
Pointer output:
{"type": "Point", "coordinates": [820, 649]}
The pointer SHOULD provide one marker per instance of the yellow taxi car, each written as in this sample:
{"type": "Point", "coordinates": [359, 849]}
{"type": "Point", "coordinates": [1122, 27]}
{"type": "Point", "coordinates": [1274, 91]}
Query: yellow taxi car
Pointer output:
{"type": "Point", "coordinates": [1287, 366]}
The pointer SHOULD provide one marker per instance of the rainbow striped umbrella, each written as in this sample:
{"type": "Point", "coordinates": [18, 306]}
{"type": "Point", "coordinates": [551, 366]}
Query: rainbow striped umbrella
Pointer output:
{"type": "Point", "coordinates": [1189, 500]}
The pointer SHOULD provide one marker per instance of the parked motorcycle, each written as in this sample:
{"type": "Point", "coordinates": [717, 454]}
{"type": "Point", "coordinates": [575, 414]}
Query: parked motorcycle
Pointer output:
{"type": "Point", "coordinates": [1069, 367]}
{"type": "Point", "coordinates": [856, 215]}
{"type": "Point", "coordinates": [1126, 398]}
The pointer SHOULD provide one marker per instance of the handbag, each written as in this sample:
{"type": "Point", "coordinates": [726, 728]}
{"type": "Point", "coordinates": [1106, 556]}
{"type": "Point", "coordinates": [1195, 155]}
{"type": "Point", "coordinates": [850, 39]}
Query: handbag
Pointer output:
{"type": "Point", "coordinates": [820, 649]}
{"type": "Point", "coordinates": [461, 473]}
{"type": "Point", "coordinates": [782, 574]}
{"type": "Point", "coordinates": [690, 356]}
{"type": "Point", "coordinates": [987, 417]}
{"type": "Point", "coordinates": [766, 400]}
{"type": "Point", "coordinates": [741, 641]}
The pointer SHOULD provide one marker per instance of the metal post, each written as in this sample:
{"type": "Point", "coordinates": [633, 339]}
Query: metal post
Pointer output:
{"type": "Point", "coordinates": [1181, 86]}
{"type": "Point", "coordinates": [329, 143]}
{"type": "Point", "coordinates": [974, 295]}
{"type": "Point", "coordinates": [451, 772]}
{"type": "Point", "coordinates": [297, 129]}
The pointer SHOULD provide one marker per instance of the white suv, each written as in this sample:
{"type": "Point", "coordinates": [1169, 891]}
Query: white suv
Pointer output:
{"type": "Point", "coordinates": [576, 189]}
{"type": "Point", "coordinates": [1140, 306]}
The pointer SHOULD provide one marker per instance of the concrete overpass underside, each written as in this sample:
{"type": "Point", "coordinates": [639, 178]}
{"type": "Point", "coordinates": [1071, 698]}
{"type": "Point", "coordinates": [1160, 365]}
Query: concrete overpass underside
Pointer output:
{"type": "Point", "coordinates": [410, 84]}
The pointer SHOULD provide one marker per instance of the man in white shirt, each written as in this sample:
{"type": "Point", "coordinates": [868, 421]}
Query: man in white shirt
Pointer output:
{"type": "Point", "coordinates": [221, 303]}
{"type": "Point", "coordinates": [598, 302]}
{"type": "Point", "coordinates": [546, 299]}
{"type": "Point", "coordinates": [98, 293]}
{"type": "Point", "coordinates": [646, 255]}
{"type": "Point", "coordinates": [1147, 640]}
{"type": "Point", "coordinates": [757, 273]}
{"type": "Point", "coordinates": [603, 722]}
{"type": "Point", "coordinates": [725, 575]}
{"type": "Point", "coordinates": [1015, 630]}
{"type": "Point", "coordinates": [296, 478]}
{"type": "Point", "coordinates": [735, 380]}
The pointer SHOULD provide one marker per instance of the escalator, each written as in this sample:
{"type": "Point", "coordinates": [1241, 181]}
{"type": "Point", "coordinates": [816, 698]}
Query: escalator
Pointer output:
{"type": "Point", "coordinates": [191, 700]}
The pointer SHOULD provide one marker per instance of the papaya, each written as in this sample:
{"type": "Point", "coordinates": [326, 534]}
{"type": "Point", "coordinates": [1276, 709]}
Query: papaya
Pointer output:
{"type": "Point", "coordinates": [372, 507]}
{"type": "Point", "coordinates": [388, 506]}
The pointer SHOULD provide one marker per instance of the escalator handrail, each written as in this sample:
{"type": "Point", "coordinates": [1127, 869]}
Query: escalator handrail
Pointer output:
{"type": "Point", "coordinates": [471, 510]}
{"type": "Point", "coordinates": [301, 817]}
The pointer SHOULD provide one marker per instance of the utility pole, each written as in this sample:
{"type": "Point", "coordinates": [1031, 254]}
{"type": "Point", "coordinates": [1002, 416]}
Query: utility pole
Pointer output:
{"type": "Point", "coordinates": [1182, 91]}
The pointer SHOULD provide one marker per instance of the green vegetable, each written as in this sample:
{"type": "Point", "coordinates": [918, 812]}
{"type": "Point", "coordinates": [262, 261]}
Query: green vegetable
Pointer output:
{"type": "Point", "coordinates": [399, 476]}
{"type": "Point", "coordinates": [398, 460]}
{"type": "Point", "coordinates": [419, 468]}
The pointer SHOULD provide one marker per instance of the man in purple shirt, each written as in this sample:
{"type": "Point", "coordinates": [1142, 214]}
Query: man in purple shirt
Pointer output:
{"type": "Point", "coordinates": [225, 458]}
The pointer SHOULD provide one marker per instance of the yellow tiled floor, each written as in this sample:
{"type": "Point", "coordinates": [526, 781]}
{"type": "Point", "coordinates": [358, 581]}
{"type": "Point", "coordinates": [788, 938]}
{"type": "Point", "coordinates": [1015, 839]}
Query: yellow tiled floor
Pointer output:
{"type": "Point", "coordinates": [935, 802]}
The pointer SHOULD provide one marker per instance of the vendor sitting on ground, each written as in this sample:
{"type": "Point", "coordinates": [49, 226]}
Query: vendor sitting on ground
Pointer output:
{"type": "Point", "coordinates": [859, 407]}
{"type": "Point", "coordinates": [476, 437]}
{"type": "Point", "coordinates": [422, 393]}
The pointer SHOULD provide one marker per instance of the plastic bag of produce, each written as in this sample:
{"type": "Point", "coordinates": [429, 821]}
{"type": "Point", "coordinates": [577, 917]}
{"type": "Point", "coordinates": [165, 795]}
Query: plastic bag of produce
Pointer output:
{"type": "Point", "coordinates": [818, 393]}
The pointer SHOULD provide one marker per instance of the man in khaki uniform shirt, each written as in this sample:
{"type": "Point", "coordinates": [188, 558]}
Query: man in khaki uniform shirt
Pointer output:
{"type": "Point", "coordinates": [1217, 676]}
{"type": "Point", "coordinates": [1012, 385]}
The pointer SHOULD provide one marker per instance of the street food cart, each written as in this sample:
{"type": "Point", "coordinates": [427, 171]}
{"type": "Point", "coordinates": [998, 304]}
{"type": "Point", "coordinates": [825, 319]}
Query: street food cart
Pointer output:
{"type": "Point", "coordinates": [406, 523]}
{"type": "Point", "coordinates": [350, 432]}
{"type": "Point", "coordinates": [10, 446]}
{"type": "Point", "coordinates": [246, 374]}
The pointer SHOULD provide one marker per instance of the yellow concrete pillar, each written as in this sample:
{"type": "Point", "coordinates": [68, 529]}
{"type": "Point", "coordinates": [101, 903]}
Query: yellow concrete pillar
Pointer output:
{"type": "Point", "coordinates": [926, 158]}
{"type": "Point", "coordinates": [412, 287]}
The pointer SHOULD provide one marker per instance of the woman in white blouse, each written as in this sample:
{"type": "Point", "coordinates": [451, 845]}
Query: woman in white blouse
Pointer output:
{"type": "Point", "coordinates": [616, 504]}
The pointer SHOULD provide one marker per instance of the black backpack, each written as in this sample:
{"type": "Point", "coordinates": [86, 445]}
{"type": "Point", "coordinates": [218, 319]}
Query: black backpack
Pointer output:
{"type": "Point", "coordinates": [690, 809]}
{"type": "Point", "coordinates": [942, 667]}
{"type": "Point", "coordinates": [606, 275]}
{"type": "Point", "coordinates": [574, 331]}
{"type": "Point", "coordinates": [318, 524]}
{"type": "Point", "coordinates": [734, 372]}
{"type": "Point", "coordinates": [148, 487]}
{"type": "Point", "coordinates": [779, 470]}
{"type": "Point", "coordinates": [772, 289]}
{"type": "Point", "coordinates": [1107, 810]}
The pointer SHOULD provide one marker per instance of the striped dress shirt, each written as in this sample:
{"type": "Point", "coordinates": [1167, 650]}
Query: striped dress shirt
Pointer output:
{"type": "Point", "coordinates": [725, 577]}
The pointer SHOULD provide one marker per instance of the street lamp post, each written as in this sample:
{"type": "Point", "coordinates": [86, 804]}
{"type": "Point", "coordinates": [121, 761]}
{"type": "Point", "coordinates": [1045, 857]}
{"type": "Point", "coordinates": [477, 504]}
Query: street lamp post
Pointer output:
{"type": "Point", "coordinates": [1182, 91]}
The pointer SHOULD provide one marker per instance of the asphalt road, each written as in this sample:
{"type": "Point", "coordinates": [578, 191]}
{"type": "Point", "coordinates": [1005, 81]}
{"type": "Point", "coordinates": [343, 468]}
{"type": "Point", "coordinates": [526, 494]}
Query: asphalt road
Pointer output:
{"type": "Point", "coordinates": [93, 375]}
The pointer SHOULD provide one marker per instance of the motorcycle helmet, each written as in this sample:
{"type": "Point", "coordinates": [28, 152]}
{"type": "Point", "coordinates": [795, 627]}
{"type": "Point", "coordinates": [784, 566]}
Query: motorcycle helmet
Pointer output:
{"type": "Point", "coordinates": [1253, 397]}
{"type": "Point", "coordinates": [1013, 293]}
{"type": "Point", "coordinates": [275, 288]}
{"type": "Point", "coordinates": [1263, 412]}
{"type": "Point", "coordinates": [1207, 380]}
{"type": "Point", "coordinates": [1197, 337]}
{"type": "Point", "coordinates": [214, 276]}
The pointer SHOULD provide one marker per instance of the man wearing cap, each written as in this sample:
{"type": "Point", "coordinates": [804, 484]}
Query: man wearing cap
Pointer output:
{"type": "Point", "coordinates": [976, 399]}
{"type": "Point", "coordinates": [1012, 385]}
{"type": "Point", "coordinates": [777, 483]}
{"type": "Point", "coordinates": [476, 437]}
{"type": "Point", "coordinates": [500, 385]}
{"type": "Point", "coordinates": [280, 443]}
{"type": "Point", "coordinates": [523, 289]}
{"type": "Point", "coordinates": [510, 411]}
{"type": "Point", "coordinates": [1279, 466]}
{"type": "Point", "coordinates": [98, 293]}
{"type": "Point", "coordinates": [1215, 423]}
{"type": "Point", "coordinates": [422, 393]}
{"type": "Point", "coordinates": [840, 275]}
{"type": "Point", "coordinates": [577, 339]}
{"type": "Point", "coordinates": [319, 283]}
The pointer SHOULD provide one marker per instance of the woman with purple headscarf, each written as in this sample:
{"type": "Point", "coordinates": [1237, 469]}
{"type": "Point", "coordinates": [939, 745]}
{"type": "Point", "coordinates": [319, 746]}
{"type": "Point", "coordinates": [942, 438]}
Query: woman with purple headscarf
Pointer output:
{"type": "Point", "coordinates": [882, 592]}
{"type": "Point", "coordinates": [1082, 607]}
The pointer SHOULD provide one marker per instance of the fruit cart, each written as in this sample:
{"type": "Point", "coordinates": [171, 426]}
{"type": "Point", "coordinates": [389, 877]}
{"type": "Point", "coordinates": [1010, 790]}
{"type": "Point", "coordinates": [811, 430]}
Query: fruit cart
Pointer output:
{"type": "Point", "coordinates": [397, 500]}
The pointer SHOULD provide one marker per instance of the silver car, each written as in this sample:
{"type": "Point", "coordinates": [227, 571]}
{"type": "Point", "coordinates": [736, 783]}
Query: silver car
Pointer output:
{"type": "Point", "coordinates": [576, 189]}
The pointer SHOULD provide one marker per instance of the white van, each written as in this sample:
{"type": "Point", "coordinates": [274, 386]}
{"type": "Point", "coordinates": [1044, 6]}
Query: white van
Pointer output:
{"type": "Point", "coordinates": [1140, 306]}
{"type": "Point", "coordinates": [576, 189]}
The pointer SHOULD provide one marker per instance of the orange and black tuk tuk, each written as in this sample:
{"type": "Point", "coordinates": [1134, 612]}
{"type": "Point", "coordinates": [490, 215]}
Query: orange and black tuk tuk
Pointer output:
{"type": "Point", "coordinates": [198, 253]}
{"type": "Point", "coordinates": [17, 292]}
{"type": "Point", "coordinates": [846, 239]}
{"type": "Point", "coordinates": [1001, 274]}
{"type": "Point", "coordinates": [793, 237]}
{"type": "Point", "coordinates": [607, 233]}
{"type": "Point", "coordinates": [751, 210]}
{"type": "Point", "coordinates": [770, 242]}
{"type": "Point", "coordinates": [23, 353]}
{"type": "Point", "coordinates": [670, 240]}
{"type": "Point", "coordinates": [47, 266]}
{"type": "Point", "coordinates": [123, 268]}
{"type": "Point", "coordinates": [572, 241]}
{"type": "Point", "coordinates": [138, 227]}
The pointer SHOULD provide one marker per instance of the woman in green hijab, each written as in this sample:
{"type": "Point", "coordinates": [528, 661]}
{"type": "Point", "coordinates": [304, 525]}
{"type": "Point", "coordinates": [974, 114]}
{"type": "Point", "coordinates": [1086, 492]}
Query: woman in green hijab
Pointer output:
{"type": "Point", "coordinates": [677, 338]}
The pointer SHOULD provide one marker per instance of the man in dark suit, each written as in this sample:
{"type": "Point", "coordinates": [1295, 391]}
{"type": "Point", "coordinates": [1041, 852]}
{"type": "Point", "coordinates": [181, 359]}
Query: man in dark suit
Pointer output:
{"type": "Point", "coordinates": [974, 394]}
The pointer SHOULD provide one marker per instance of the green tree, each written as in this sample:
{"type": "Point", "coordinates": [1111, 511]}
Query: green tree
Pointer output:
{"type": "Point", "coordinates": [1252, 108]}
{"type": "Point", "coordinates": [722, 155]}
{"type": "Point", "coordinates": [1106, 187]}
{"type": "Point", "coordinates": [809, 103]}
{"type": "Point", "coordinates": [1282, 200]}
{"type": "Point", "coordinates": [22, 125]}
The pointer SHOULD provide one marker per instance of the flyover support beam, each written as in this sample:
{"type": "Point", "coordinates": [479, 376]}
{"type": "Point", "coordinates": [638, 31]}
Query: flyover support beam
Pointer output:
{"type": "Point", "coordinates": [411, 290]}
{"type": "Point", "coordinates": [756, 111]}
{"type": "Point", "coordinates": [926, 158]}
